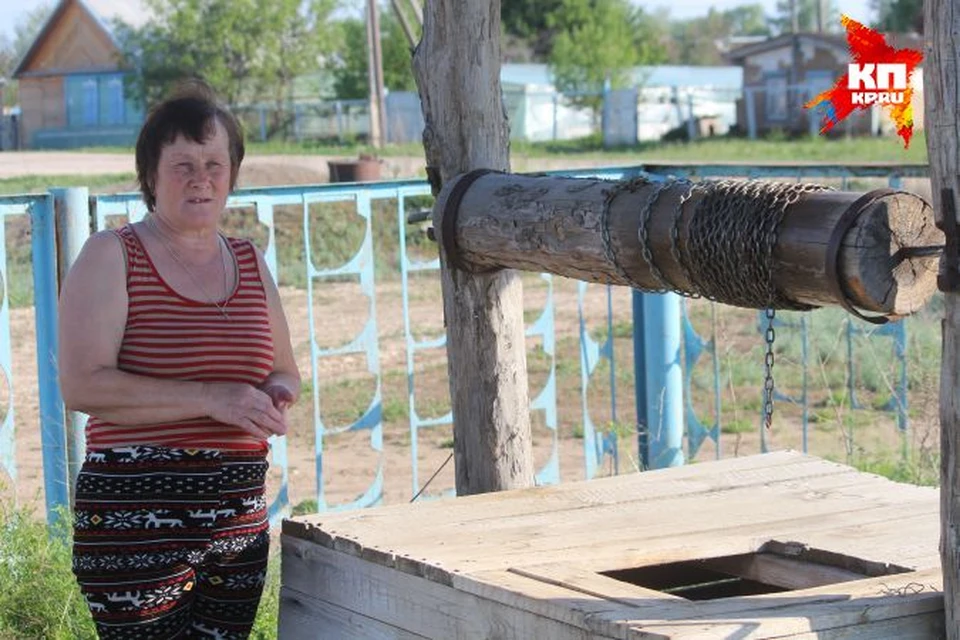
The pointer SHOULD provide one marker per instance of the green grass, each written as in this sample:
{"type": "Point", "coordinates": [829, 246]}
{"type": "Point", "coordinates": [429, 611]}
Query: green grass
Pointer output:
{"type": "Point", "coordinates": [40, 599]}
{"type": "Point", "coordinates": [741, 150]}
{"type": "Point", "coordinates": [773, 148]}
{"type": "Point", "coordinates": [42, 184]}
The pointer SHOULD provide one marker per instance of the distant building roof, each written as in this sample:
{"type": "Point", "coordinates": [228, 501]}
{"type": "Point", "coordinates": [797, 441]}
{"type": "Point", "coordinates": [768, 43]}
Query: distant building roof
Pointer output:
{"type": "Point", "coordinates": [738, 54]}
{"type": "Point", "coordinates": [835, 40]}
{"type": "Point", "coordinates": [104, 12]}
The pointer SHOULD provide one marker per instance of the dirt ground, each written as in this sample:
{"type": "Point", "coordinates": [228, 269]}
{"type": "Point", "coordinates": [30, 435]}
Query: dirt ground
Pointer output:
{"type": "Point", "coordinates": [351, 461]}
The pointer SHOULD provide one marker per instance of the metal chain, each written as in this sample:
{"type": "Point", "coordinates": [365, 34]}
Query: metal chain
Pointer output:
{"type": "Point", "coordinates": [768, 384]}
{"type": "Point", "coordinates": [675, 239]}
{"type": "Point", "coordinates": [644, 237]}
{"type": "Point", "coordinates": [605, 237]}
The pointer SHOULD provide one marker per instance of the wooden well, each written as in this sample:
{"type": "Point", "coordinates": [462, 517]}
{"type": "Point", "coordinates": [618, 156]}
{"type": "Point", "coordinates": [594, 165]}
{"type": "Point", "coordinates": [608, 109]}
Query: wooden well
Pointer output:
{"type": "Point", "coordinates": [780, 545]}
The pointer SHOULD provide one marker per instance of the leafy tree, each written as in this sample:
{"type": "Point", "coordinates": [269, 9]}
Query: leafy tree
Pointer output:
{"type": "Point", "coordinates": [899, 16]}
{"type": "Point", "coordinates": [11, 52]}
{"type": "Point", "coordinates": [350, 69]}
{"type": "Point", "coordinates": [248, 50]}
{"type": "Point", "coordinates": [598, 42]}
{"type": "Point", "coordinates": [695, 41]}
{"type": "Point", "coordinates": [527, 21]}
{"type": "Point", "coordinates": [807, 16]}
{"type": "Point", "coordinates": [747, 20]}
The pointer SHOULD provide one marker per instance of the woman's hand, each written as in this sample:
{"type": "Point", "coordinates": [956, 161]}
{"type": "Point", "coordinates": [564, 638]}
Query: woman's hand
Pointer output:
{"type": "Point", "coordinates": [282, 397]}
{"type": "Point", "coordinates": [245, 406]}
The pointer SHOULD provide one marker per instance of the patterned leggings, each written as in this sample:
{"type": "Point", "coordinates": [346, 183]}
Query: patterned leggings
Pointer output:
{"type": "Point", "coordinates": [171, 543]}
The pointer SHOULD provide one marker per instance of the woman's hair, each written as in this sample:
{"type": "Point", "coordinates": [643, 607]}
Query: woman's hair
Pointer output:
{"type": "Point", "coordinates": [191, 111]}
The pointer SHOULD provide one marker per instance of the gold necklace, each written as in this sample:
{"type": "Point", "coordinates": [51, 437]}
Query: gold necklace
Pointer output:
{"type": "Point", "coordinates": [221, 308]}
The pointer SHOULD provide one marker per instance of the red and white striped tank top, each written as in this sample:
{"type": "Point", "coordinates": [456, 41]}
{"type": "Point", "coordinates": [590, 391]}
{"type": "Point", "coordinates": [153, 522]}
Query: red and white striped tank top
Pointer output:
{"type": "Point", "coordinates": [170, 336]}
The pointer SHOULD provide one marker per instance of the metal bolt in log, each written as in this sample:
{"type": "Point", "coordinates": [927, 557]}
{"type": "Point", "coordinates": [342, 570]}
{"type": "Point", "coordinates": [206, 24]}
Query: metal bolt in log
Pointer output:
{"type": "Point", "coordinates": [875, 252]}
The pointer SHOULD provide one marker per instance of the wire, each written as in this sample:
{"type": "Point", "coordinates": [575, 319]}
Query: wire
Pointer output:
{"type": "Point", "coordinates": [435, 474]}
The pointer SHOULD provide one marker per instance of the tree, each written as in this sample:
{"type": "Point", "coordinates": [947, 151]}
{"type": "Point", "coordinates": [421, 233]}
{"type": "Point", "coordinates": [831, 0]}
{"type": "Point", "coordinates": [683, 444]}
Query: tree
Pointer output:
{"type": "Point", "coordinates": [807, 14]}
{"type": "Point", "coordinates": [248, 50]}
{"type": "Point", "coordinates": [350, 67]}
{"type": "Point", "coordinates": [11, 52]}
{"type": "Point", "coordinates": [898, 16]}
{"type": "Point", "coordinates": [695, 41]}
{"type": "Point", "coordinates": [597, 44]}
{"type": "Point", "coordinates": [527, 22]}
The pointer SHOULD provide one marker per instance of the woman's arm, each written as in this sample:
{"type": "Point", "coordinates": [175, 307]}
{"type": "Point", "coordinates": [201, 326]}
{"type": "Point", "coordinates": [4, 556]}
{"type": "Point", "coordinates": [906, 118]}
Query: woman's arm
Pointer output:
{"type": "Point", "coordinates": [283, 383]}
{"type": "Point", "coordinates": [93, 316]}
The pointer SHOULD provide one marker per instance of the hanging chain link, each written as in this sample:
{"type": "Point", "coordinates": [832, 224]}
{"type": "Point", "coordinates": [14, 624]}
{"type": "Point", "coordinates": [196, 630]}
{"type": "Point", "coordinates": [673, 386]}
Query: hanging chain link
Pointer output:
{"type": "Point", "coordinates": [768, 385]}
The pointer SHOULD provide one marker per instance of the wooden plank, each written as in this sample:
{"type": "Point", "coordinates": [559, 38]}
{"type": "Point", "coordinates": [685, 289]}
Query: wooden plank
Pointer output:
{"type": "Point", "coordinates": [785, 572]}
{"type": "Point", "coordinates": [515, 541]}
{"type": "Point", "coordinates": [304, 617]}
{"type": "Point", "coordinates": [583, 580]}
{"type": "Point", "coordinates": [793, 612]}
{"type": "Point", "coordinates": [917, 627]}
{"type": "Point", "coordinates": [541, 598]}
{"type": "Point", "coordinates": [411, 603]}
{"type": "Point", "coordinates": [633, 491]}
{"type": "Point", "coordinates": [690, 479]}
{"type": "Point", "coordinates": [487, 584]}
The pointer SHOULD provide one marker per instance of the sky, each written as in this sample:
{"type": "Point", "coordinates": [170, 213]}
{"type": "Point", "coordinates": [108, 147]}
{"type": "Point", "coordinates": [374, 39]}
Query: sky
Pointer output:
{"type": "Point", "coordinates": [13, 11]}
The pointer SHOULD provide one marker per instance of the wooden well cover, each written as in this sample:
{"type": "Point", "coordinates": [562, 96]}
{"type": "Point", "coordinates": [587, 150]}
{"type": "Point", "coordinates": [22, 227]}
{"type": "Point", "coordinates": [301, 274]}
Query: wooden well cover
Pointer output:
{"type": "Point", "coordinates": [780, 545]}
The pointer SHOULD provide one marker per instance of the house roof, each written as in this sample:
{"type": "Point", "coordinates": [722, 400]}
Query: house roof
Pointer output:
{"type": "Point", "coordinates": [835, 40]}
{"type": "Point", "coordinates": [739, 54]}
{"type": "Point", "coordinates": [103, 12]}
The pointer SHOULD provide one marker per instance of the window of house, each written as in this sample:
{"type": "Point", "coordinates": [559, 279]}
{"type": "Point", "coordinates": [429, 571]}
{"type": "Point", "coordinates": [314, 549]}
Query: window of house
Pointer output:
{"type": "Point", "coordinates": [776, 97]}
{"type": "Point", "coordinates": [98, 100]}
{"type": "Point", "coordinates": [111, 100]}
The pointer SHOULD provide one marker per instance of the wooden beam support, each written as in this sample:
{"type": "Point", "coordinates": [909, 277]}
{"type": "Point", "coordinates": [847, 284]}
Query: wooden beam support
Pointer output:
{"type": "Point", "coordinates": [597, 231]}
{"type": "Point", "coordinates": [942, 123]}
{"type": "Point", "coordinates": [457, 68]}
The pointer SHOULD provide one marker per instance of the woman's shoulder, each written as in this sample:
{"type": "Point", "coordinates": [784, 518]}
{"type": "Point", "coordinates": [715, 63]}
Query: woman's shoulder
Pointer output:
{"type": "Point", "coordinates": [244, 246]}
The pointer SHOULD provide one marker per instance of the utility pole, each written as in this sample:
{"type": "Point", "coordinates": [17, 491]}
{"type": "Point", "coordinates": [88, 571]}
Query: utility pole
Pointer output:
{"type": "Point", "coordinates": [375, 76]}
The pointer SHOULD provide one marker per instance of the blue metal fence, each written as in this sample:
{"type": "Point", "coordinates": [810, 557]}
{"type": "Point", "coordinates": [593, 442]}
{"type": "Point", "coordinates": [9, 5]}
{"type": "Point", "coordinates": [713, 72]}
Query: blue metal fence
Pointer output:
{"type": "Point", "coordinates": [660, 353]}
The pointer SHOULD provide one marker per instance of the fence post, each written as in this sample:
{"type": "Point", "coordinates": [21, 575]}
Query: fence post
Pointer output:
{"type": "Point", "coordinates": [339, 109]}
{"type": "Point", "coordinates": [52, 432]}
{"type": "Point", "coordinates": [658, 378]}
{"type": "Point", "coordinates": [691, 121]}
{"type": "Point", "coordinates": [556, 115]}
{"type": "Point", "coordinates": [751, 113]}
{"type": "Point", "coordinates": [72, 209]}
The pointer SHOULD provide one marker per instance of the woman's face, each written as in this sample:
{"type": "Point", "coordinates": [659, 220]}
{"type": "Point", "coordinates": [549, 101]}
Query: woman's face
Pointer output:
{"type": "Point", "coordinates": [193, 180]}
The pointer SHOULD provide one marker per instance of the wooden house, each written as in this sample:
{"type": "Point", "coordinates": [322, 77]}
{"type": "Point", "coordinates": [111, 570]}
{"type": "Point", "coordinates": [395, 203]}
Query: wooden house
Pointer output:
{"type": "Point", "coordinates": [72, 89]}
{"type": "Point", "coordinates": [781, 74]}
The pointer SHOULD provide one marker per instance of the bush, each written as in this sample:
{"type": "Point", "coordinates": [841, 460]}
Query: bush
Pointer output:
{"type": "Point", "coordinates": [39, 597]}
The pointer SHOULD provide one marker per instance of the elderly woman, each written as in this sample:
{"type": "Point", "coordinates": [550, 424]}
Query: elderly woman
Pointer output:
{"type": "Point", "coordinates": [173, 340]}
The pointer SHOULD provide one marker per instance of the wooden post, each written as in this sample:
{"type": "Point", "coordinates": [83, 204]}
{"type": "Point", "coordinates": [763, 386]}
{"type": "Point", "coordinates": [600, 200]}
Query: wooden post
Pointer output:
{"type": "Point", "coordinates": [593, 230]}
{"type": "Point", "coordinates": [457, 68]}
{"type": "Point", "coordinates": [375, 76]}
{"type": "Point", "coordinates": [942, 122]}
